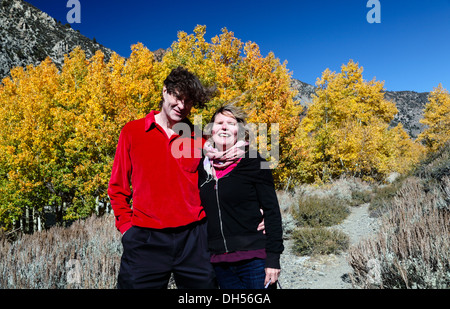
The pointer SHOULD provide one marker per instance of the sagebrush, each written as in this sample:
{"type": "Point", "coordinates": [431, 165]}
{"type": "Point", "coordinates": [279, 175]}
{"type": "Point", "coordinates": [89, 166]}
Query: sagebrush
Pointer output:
{"type": "Point", "coordinates": [85, 255]}
{"type": "Point", "coordinates": [412, 248]}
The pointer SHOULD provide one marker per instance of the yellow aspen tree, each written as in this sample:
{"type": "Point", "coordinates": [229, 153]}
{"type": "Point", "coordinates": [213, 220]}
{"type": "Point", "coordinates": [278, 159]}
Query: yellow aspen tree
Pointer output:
{"type": "Point", "coordinates": [346, 130]}
{"type": "Point", "coordinates": [408, 151]}
{"type": "Point", "coordinates": [60, 129]}
{"type": "Point", "coordinates": [437, 119]}
{"type": "Point", "coordinates": [258, 84]}
{"type": "Point", "coordinates": [141, 75]}
{"type": "Point", "coordinates": [27, 143]}
{"type": "Point", "coordinates": [90, 148]}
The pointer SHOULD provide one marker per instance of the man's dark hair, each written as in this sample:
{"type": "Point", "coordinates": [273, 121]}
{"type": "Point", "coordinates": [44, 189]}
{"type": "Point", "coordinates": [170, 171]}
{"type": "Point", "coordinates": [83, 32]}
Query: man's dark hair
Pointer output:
{"type": "Point", "coordinates": [185, 85]}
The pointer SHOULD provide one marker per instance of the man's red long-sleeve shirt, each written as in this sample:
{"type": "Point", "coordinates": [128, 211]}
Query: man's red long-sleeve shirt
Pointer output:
{"type": "Point", "coordinates": [158, 174]}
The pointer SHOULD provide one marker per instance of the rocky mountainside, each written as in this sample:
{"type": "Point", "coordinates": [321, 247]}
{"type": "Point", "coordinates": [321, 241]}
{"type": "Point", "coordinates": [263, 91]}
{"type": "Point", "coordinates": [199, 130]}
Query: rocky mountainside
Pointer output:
{"type": "Point", "coordinates": [410, 105]}
{"type": "Point", "coordinates": [28, 36]}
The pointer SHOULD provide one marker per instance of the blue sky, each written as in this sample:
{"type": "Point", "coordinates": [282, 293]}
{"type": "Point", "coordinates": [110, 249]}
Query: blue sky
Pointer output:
{"type": "Point", "coordinates": [409, 49]}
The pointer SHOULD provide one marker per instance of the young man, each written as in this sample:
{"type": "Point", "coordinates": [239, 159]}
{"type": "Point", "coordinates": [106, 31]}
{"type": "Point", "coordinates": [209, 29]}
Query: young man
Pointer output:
{"type": "Point", "coordinates": [164, 229]}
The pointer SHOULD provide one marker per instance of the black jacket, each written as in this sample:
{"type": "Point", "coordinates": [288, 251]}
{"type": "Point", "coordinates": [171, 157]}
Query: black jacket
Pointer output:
{"type": "Point", "coordinates": [232, 204]}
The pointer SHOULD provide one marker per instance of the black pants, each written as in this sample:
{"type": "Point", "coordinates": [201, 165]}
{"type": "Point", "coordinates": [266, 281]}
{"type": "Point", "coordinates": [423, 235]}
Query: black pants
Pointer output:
{"type": "Point", "coordinates": [151, 255]}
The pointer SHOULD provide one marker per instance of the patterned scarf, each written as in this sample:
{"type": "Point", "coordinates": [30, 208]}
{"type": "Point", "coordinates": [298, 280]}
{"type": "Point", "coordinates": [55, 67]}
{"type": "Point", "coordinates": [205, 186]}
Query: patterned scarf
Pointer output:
{"type": "Point", "coordinates": [223, 159]}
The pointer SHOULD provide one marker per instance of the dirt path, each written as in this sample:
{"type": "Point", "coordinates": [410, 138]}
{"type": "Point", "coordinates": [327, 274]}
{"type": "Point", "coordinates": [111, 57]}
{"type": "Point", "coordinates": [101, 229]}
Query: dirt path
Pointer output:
{"type": "Point", "coordinates": [326, 272]}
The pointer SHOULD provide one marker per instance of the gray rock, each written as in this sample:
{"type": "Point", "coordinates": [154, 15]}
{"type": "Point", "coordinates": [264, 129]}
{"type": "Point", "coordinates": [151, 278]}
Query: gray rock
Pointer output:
{"type": "Point", "coordinates": [28, 36]}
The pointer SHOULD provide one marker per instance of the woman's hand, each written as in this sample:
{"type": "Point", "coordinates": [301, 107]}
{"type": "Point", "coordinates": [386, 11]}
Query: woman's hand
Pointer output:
{"type": "Point", "coordinates": [272, 275]}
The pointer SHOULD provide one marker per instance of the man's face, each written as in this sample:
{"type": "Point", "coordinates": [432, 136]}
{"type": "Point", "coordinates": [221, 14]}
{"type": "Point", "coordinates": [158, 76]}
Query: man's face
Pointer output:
{"type": "Point", "coordinates": [175, 108]}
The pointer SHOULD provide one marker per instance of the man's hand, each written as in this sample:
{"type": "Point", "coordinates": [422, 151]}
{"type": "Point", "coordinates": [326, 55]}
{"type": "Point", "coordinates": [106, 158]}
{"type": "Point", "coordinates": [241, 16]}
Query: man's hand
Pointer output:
{"type": "Point", "coordinates": [261, 226]}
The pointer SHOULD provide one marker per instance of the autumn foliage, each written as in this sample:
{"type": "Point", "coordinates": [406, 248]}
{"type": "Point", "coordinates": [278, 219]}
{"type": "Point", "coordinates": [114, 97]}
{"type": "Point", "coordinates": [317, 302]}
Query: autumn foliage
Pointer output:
{"type": "Point", "coordinates": [60, 127]}
{"type": "Point", "coordinates": [437, 120]}
{"type": "Point", "coordinates": [346, 131]}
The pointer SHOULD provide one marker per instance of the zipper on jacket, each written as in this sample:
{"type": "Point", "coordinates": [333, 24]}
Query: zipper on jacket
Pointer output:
{"type": "Point", "coordinates": [220, 215]}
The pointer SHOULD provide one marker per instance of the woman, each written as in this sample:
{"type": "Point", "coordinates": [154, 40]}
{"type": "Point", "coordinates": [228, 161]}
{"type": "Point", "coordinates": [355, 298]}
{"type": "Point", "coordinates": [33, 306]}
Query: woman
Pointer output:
{"type": "Point", "coordinates": [234, 192]}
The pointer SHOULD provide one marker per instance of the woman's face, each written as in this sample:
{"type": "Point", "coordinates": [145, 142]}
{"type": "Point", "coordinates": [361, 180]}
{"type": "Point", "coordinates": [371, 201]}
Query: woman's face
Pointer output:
{"type": "Point", "coordinates": [224, 131]}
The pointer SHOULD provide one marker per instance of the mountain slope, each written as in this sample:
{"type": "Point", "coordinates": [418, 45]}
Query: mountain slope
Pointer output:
{"type": "Point", "coordinates": [28, 36]}
{"type": "Point", "coordinates": [410, 107]}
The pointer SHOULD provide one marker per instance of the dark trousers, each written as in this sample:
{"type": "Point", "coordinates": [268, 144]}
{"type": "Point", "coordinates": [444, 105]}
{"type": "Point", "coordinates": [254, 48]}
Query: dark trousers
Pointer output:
{"type": "Point", "coordinates": [150, 256]}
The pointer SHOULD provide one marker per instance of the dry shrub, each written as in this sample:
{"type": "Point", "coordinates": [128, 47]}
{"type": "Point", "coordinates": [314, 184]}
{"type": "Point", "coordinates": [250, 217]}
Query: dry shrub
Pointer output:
{"type": "Point", "coordinates": [327, 204]}
{"type": "Point", "coordinates": [436, 165]}
{"type": "Point", "coordinates": [382, 197]}
{"type": "Point", "coordinates": [316, 211]}
{"type": "Point", "coordinates": [313, 211]}
{"type": "Point", "coordinates": [287, 200]}
{"type": "Point", "coordinates": [84, 255]}
{"type": "Point", "coordinates": [412, 248]}
{"type": "Point", "coordinates": [309, 210]}
{"type": "Point", "coordinates": [318, 241]}
{"type": "Point", "coordinates": [350, 190]}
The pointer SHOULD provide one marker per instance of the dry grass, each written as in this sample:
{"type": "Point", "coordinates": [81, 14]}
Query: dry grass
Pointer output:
{"type": "Point", "coordinates": [85, 255]}
{"type": "Point", "coordinates": [412, 248]}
